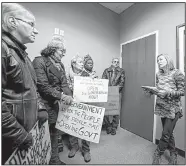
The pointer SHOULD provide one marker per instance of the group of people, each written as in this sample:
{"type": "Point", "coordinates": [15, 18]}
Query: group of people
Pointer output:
{"type": "Point", "coordinates": [31, 90]}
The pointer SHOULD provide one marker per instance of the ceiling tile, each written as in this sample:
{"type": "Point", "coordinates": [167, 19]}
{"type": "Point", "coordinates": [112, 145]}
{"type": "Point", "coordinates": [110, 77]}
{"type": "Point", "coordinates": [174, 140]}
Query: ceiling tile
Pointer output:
{"type": "Point", "coordinates": [117, 7]}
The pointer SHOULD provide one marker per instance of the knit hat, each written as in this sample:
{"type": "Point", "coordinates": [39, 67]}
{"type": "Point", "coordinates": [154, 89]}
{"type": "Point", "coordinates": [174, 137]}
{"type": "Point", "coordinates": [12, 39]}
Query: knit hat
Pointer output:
{"type": "Point", "coordinates": [86, 58]}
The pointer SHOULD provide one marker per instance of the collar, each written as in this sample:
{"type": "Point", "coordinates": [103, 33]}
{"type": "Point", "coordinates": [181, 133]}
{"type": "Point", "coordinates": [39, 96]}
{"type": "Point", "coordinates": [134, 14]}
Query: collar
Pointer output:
{"type": "Point", "coordinates": [90, 72]}
{"type": "Point", "coordinates": [58, 65]}
{"type": "Point", "coordinates": [111, 68]}
{"type": "Point", "coordinates": [16, 42]}
{"type": "Point", "coordinates": [12, 42]}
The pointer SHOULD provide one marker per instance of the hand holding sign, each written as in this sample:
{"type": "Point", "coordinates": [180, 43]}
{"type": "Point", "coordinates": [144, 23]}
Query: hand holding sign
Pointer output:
{"type": "Point", "coordinates": [61, 106]}
{"type": "Point", "coordinates": [93, 75]}
{"type": "Point", "coordinates": [66, 99]}
{"type": "Point", "coordinates": [36, 148]}
{"type": "Point", "coordinates": [27, 143]}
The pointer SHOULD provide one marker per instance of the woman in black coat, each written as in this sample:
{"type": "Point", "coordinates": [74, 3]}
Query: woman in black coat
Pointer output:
{"type": "Point", "coordinates": [53, 87]}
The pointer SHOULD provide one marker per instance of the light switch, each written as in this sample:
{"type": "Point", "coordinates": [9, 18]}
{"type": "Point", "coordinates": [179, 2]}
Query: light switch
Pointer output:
{"type": "Point", "coordinates": [56, 32]}
{"type": "Point", "coordinates": [61, 32]}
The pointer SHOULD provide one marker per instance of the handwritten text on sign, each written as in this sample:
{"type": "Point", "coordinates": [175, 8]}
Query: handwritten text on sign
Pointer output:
{"type": "Point", "coordinates": [39, 153]}
{"type": "Point", "coordinates": [82, 121]}
{"type": "Point", "coordinates": [87, 89]}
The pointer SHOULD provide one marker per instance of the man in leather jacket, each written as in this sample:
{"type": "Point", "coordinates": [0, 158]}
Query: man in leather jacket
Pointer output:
{"type": "Point", "coordinates": [116, 77]}
{"type": "Point", "coordinates": [20, 103]}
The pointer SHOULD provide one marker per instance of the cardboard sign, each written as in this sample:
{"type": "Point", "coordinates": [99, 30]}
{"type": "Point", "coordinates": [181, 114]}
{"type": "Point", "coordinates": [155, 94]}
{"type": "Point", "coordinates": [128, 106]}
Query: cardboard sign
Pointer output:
{"type": "Point", "coordinates": [112, 106]}
{"type": "Point", "coordinates": [87, 89]}
{"type": "Point", "coordinates": [39, 153]}
{"type": "Point", "coordinates": [81, 120]}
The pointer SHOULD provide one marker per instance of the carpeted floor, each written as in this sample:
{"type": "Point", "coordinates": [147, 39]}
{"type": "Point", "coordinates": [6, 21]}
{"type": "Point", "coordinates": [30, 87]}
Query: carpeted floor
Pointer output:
{"type": "Point", "coordinates": [123, 148]}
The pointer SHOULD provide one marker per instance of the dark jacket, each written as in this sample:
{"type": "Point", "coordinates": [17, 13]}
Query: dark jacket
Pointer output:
{"type": "Point", "coordinates": [119, 79]}
{"type": "Point", "coordinates": [19, 94]}
{"type": "Point", "coordinates": [51, 83]}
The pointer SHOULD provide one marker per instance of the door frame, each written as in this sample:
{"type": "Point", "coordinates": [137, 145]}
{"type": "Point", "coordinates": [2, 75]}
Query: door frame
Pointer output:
{"type": "Point", "coordinates": [156, 69]}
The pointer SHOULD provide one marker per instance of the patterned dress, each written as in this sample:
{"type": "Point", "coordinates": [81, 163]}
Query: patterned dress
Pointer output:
{"type": "Point", "coordinates": [174, 85]}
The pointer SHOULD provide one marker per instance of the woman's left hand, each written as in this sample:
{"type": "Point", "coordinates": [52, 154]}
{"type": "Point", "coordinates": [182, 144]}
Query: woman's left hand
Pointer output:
{"type": "Point", "coordinates": [162, 93]}
{"type": "Point", "coordinates": [93, 76]}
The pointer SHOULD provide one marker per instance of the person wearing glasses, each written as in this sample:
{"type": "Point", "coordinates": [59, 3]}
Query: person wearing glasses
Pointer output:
{"type": "Point", "coordinates": [52, 86]}
{"type": "Point", "coordinates": [21, 107]}
{"type": "Point", "coordinates": [116, 77]}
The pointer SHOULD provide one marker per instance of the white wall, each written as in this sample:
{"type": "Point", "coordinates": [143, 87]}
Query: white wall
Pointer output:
{"type": "Point", "coordinates": [144, 18]}
{"type": "Point", "coordinates": [89, 28]}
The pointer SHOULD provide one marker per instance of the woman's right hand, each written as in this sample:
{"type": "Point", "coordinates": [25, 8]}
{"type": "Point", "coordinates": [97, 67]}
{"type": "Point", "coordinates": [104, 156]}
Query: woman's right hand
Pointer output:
{"type": "Point", "coordinates": [66, 99]}
{"type": "Point", "coordinates": [148, 93]}
{"type": "Point", "coordinates": [93, 75]}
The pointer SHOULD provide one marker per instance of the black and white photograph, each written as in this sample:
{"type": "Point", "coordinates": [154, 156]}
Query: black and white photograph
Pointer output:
{"type": "Point", "coordinates": [93, 83]}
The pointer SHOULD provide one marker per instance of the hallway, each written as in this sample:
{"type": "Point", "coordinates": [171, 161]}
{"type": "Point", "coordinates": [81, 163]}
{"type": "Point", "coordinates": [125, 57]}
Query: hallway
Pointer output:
{"type": "Point", "coordinates": [123, 148]}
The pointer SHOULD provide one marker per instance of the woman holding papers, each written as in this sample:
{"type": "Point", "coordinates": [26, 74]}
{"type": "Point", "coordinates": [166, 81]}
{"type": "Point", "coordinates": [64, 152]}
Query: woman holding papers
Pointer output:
{"type": "Point", "coordinates": [169, 89]}
{"type": "Point", "coordinates": [53, 87]}
{"type": "Point", "coordinates": [77, 69]}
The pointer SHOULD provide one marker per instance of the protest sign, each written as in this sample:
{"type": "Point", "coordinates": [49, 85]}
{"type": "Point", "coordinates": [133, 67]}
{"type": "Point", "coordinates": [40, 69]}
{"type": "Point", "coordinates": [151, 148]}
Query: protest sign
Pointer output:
{"type": "Point", "coordinates": [39, 153]}
{"type": "Point", "coordinates": [87, 89]}
{"type": "Point", "coordinates": [81, 120]}
{"type": "Point", "coordinates": [112, 106]}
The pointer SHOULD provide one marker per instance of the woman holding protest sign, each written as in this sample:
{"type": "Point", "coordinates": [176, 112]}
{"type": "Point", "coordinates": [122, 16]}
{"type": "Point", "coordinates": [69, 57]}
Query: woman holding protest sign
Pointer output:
{"type": "Point", "coordinates": [77, 69]}
{"type": "Point", "coordinates": [53, 87]}
{"type": "Point", "coordinates": [169, 88]}
{"type": "Point", "coordinates": [88, 66]}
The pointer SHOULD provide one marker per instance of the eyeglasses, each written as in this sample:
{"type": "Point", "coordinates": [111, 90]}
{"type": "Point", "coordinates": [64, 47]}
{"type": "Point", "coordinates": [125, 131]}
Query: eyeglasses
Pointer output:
{"type": "Point", "coordinates": [63, 51]}
{"type": "Point", "coordinates": [30, 23]}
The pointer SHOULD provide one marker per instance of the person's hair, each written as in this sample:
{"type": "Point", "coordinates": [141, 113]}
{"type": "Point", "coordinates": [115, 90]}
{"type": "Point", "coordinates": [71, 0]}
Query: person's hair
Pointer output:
{"type": "Point", "coordinates": [74, 59]}
{"type": "Point", "coordinates": [14, 10]}
{"type": "Point", "coordinates": [170, 64]}
{"type": "Point", "coordinates": [114, 59]}
{"type": "Point", "coordinates": [52, 46]}
{"type": "Point", "coordinates": [86, 58]}
{"type": "Point", "coordinates": [47, 51]}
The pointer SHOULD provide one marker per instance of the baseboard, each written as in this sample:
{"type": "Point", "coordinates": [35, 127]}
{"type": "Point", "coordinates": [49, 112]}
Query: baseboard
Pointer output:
{"type": "Point", "coordinates": [180, 152]}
